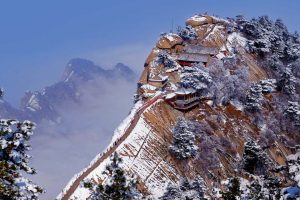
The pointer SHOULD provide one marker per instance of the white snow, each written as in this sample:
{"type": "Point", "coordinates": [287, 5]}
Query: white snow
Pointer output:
{"type": "Point", "coordinates": [171, 36]}
{"type": "Point", "coordinates": [173, 69]}
{"type": "Point", "coordinates": [148, 87]}
{"type": "Point", "coordinates": [294, 167]}
{"type": "Point", "coordinates": [199, 19]}
{"type": "Point", "coordinates": [164, 78]}
{"type": "Point", "coordinates": [142, 167]}
{"type": "Point", "coordinates": [237, 104]}
{"type": "Point", "coordinates": [220, 55]}
{"type": "Point", "coordinates": [209, 102]}
{"type": "Point", "coordinates": [117, 134]}
{"type": "Point", "coordinates": [184, 91]}
{"type": "Point", "coordinates": [220, 20]}
{"type": "Point", "coordinates": [235, 39]}
{"type": "Point", "coordinates": [134, 141]}
{"type": "Point", "coordinates": [244, 187]}
{"type": "Point", "coordinates": [125, 123]}
{"type": "Point", "coordinates": [170, 95]}
{"type": "Point", "coordinates": [293, 156]}
{"type": "Point", "coordinates": [33, 103]}
{"type": "Point", "coordinates": [69, 76]}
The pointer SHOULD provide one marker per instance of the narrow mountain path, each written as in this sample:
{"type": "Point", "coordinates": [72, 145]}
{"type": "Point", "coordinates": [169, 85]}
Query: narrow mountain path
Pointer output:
{"type": "Point", "coordinates": [133, 122]}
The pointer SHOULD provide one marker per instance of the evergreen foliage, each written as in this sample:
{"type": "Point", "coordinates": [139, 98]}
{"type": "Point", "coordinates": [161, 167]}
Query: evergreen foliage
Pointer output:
{"type": "Point", "coordinates": [188, 190]}
{"type": "Point", "coordinates": [172, 193]}
{"type": "Point", "coordinates": [197, 78]}
{"type": "Point", "coordinates": [187, 33]}
{"type": "Point", "coordinates": [164, 59]}
{"type": "Point", "coordinates": [118, 186]}
{"type": "Point", "coordinates": [183, 145]}
{"type": "Point", "coordinates": [293, 112]}
{"type": "Point", "coordinates": [14, 160]}
{"type": "Point", "coordinates": [254, 98]}
{"type": "Point", "coordinates": [233, 192]}
{"type": "Point", "coordinates": [287, 82]}
{"type": "Point", "coordinates": [254, 159]}
{"type": "Point", "coordinates": [228, 85]}
{"type": "Point", "coordinates": [267, 38]}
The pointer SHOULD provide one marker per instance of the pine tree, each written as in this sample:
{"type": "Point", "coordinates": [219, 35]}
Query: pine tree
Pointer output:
{"type": "Point", "coordinates": [293, 112]}
{"type": "Point", "coordinates": [172, 193]}
{"type": "Point", "coordinates": [183, 146]}
{"type": "Point", "coordinates": [166, 60]}
{"type": "Point", "coordinates": [14, 160]}
{"type": "Point", "coordinates": [254, 159]}
{"type": "Point", "coordinates": [117, 186]}
{"type": "Point", "coordinates": [188, 190]}
{"type": "Point", "coordinates": [293, 167]}
{"type": "Point", "coordinates": [197, 78]}
{"type": "Point", "coordinates": [287, 82]}
{"type": "Point", "coordinates": [254, 98]}
{"type": "Point", "coordinates": [193, 189]}
{"type": "Point", "coordinates": [187, 33]}
{"type": "Point", "coordinates": [233, 192]}
{"type": "Point", "coordinates": [265, 188]}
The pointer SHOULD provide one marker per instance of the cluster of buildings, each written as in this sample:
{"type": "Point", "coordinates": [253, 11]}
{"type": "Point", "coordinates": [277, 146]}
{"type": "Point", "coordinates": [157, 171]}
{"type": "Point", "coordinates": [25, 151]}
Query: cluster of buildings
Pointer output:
{"type": "Point", "coordinates": [159, 77]}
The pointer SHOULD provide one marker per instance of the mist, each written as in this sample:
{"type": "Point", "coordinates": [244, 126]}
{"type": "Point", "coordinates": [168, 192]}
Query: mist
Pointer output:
{"type": "Point", "coordinates": [61, 151]}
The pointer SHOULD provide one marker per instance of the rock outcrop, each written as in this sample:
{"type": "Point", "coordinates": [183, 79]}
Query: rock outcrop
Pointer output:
{"type": "Point", "coordinates": [206, 72]}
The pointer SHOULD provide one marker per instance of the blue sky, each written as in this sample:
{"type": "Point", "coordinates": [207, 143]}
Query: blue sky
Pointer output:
{"type": "Point", "coordinates": [37, 38]}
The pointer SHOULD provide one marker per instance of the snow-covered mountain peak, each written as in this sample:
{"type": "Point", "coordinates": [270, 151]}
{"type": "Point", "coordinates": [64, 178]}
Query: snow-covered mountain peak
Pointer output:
{"type": "Point", "coordinates": [81, 68]}
{"type": "Point", "coordinates": [216, 83]}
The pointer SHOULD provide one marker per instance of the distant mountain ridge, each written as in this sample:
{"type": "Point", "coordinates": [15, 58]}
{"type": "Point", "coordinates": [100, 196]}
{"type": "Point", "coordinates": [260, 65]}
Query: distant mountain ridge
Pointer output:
{"type": "Point", "coordinates": [44, 104]}
{"type": "Point", "coordinates": [87, 70]}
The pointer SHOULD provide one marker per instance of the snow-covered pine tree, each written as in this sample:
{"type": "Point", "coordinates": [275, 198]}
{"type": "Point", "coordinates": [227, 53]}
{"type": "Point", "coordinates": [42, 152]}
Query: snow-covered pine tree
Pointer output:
{"type": "Point", "coordinates": [14, 160]}
{"type": "Point", "coordinates": [254, 98]}
{"type": "Point", "coordinates": [287, 82]}
{"type": "Point", "coordinates": [187, 33]}
{"type": "Point", "coordinates": [172, 193]}
{"type": "Point", "coordinates": [293, 112]}
{"type": "Point", "coordinates": [228, 85]}
{"type": "Point", "coordinates": [268, 85]}
{"type": "Point", "coordinates": [233, 192]}
{"type": "Point", "coordinates": [183, 145]}
{"type": "Point", "coordinates": [263, 187]}
{"type": "Point", "coordinates": [254, 158]}
{"type": "Point", "coordinates": [118, 186]}
{"type": "Point", "coordinates": [193, 189]}
{"type": "Point", "coordinates": [293, 166]}
{"type": "Point", "coordinates": [271, 41]}
{"type": "Point", "coordinates": [196, 78]}
{"type": "Point", "coordinates": [187, 189]}
{"type": "Point", "coordinates": [165, 60]}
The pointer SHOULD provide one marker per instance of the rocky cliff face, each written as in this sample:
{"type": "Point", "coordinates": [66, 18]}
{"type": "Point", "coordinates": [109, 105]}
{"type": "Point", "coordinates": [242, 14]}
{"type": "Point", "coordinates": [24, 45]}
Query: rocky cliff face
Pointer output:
{"type": "Point", "coordinates": [236, 84]}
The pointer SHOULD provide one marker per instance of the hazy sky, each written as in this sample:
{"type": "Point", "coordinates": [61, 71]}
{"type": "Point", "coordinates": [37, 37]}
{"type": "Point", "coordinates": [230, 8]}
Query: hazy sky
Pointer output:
{"type": "Point", "coordinates": [61, 151]}
{"type": "Point", "coordinates": [37, 38]}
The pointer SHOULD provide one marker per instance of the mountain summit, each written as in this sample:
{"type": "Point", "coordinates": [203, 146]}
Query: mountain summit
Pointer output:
{"type": "Point", "coordinates": [217, 115]}
{"type": "Point", "coordinates": [79, 68]}
{"type": "Point", "coordinates": [79, 75]}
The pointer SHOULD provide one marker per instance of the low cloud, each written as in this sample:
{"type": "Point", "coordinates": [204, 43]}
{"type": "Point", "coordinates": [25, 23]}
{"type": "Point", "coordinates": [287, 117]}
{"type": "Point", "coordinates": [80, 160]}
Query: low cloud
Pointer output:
{"type": "Point", "coordinates": [60, 151]}
{"type": "Point", "coordinates": [133, 55]}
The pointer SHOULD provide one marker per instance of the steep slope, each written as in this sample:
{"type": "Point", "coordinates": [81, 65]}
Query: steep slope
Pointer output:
{"type": "Point", "coordinates": [214, 75]}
